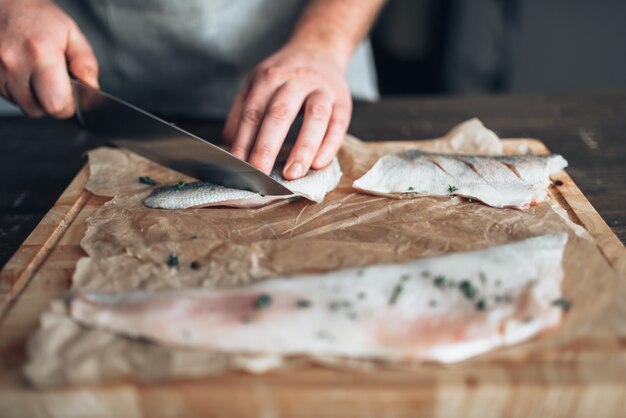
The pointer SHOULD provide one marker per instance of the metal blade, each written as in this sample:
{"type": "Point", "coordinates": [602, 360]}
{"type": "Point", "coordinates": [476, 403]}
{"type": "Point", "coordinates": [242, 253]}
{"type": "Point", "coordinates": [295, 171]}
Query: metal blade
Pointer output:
{"type": "Point", "coordinates": [139, 131]}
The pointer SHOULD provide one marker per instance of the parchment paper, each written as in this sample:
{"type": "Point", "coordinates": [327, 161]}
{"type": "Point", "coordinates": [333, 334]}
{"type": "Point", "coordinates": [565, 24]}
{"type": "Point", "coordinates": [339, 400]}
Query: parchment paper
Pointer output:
{"type": "Point", "coordinates": [128, 246]}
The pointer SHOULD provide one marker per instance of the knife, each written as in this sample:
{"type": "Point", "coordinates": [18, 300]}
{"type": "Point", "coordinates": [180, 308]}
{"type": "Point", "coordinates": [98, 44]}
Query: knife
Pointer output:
{"type": "Point", "coordinates": [130, 127]}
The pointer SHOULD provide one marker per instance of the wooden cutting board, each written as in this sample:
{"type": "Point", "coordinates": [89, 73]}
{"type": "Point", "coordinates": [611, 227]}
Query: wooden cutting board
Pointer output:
{"type": "Point", "coordinates": [41, 270]}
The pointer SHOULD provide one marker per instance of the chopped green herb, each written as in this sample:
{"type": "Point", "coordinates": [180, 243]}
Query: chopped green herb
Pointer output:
{"type": "Point", "coordinates": [172, 260]}
{"type": "Point", "coordinates": [440, 282]}
{"type": "Point", "coordinates": [194, 265]}
{"type": "Point", "coordinates": [395, 294]}
{"type": "Point", "coordinates": [562, 303]}
{"type": "Point", "coordinates": [263, 301]}
{"type": "Point", "coordinates": [467, 289]}
{"type": "Point", "coordinates": [483, 277]}
{"type": "Point", "coordinates": [303, 303]}
{"type": "Point", "coordinates": [294, 199]}
{"type": "Point", "coordinates": [481, 305]}
{"type": "Point", "coordinates": [180, 185]}
{"type": "Point", "coordinates": [147, 180]}
{"type": "Point", "coordinates": [361, 295]}
{"type": "Point", "coordinates": [432, 303]}
{"type": "Point", "coordinates": [335, 305]}
{"type": "Point", "coordinates": [411, 188]}
{"type": "Point", "coordinates": [194, 237]}
{"type": "Point", "coordinates": [324, 335]}
{"type": "Point", "coordinates": [452, 189]}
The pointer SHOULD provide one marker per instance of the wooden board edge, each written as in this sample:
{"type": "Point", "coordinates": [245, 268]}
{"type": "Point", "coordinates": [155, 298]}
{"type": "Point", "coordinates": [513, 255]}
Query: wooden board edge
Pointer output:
{"type": "Point", "coordinates": [580, 208]}
{"type": "Point", "coordinates": [26, 268]}
{"type": "Point", "coordinates": [604, 237]}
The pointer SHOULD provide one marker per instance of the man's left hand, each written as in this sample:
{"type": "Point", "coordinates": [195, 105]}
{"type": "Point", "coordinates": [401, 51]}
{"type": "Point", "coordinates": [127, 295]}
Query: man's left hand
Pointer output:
{"type": "Point", "coordinates": [292, 79]}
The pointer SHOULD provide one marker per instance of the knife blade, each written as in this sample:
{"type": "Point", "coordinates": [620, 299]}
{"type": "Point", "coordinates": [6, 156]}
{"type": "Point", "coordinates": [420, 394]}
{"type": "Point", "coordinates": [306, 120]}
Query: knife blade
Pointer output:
{"type": "Point", "coordinates": [130, 127]}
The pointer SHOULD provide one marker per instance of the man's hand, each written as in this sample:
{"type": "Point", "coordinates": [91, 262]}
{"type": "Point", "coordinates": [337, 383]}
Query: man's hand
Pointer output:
{"type": "Point", "coordinates": [309, 74]}
{"type": "Point", "coordinates": [38, 43]}
{"type": "Point", "coordinates": [292, 79]}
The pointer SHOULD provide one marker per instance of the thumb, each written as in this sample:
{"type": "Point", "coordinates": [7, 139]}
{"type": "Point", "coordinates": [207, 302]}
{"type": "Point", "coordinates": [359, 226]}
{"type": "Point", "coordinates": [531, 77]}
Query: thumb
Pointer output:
{"type": "Point", "coordinates": [81, 60]}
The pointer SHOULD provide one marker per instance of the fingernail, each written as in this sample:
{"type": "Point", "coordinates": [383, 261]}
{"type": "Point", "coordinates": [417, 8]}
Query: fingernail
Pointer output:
{"type": "Point", "coordinates": [295, 170]}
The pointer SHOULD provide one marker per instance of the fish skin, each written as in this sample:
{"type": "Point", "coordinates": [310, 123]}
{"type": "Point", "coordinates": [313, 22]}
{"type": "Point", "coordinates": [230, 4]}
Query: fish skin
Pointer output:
{"type": "Point", "coordinates": [500, 181]}
{"type": "Point", "coordinates": [314, 186]}
{"type": "Point", "coordinates": [353, 312]}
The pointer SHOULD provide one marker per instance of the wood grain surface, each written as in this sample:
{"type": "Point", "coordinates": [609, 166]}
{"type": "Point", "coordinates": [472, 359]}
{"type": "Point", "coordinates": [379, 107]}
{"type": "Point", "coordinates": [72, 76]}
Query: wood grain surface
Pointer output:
{"type": "Point", "coordinates": [38, 158]}
{"type": "Point", "coordinates": [565, 386]}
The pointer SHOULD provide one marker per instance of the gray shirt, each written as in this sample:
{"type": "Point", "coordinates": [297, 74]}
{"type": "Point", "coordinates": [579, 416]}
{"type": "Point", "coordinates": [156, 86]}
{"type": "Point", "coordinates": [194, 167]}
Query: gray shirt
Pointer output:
{"type": "Point", "coordinates": [190, 57]}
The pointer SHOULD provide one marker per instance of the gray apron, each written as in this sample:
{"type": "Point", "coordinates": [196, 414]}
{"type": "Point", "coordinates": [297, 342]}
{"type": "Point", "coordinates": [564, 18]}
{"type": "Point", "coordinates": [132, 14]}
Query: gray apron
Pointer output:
{"type": "Point", "coordinates": [190, 57]}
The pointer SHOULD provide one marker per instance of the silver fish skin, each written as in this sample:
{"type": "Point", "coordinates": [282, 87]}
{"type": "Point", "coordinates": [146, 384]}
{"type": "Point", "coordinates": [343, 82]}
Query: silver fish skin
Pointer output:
{"type": "Point", "coordinates": [314, 186]}
{"type": "Point", "coordinates": [500, 181]}
{"type": "Point", "coordinates": [443, 309]}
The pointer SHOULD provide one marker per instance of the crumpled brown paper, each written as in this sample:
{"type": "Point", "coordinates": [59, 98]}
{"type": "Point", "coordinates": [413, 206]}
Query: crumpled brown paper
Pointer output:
{"type": "Point", "coordinates": [128, 246]}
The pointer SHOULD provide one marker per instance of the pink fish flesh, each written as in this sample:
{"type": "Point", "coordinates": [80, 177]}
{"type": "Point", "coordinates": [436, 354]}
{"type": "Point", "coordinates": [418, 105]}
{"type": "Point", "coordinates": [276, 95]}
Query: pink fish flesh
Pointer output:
{"type": "Point", "coordinates": [442, 309]}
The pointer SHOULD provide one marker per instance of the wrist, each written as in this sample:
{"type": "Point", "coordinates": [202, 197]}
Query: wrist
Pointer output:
{"type": "Point", "coordinates": [324, 41]}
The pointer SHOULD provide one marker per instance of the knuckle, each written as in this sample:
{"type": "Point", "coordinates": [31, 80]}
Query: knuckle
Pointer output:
{"type": "Point", "coordinates": [319, 110]}
{"type": "Point", "coordinates": [9, 59]}
{"type": "Point", "coordinates": [341, 120]}
{"type": "Point", "coordinates": [252, 116]}
{"type": "Point", "coordinates": [35, 49]}
{"type": "Point", "coordinates": [301, 72]}
{"type": "Point", "coordinates": [264, 151]}
{"type": "Point", "coordinates": [307, 149]}
{"type": "Point", "coordinates": [238, 150]}
{"type": "Point", "coordinates": [278, 112]}
{"type": "Point", "coordinates": [271, 74]}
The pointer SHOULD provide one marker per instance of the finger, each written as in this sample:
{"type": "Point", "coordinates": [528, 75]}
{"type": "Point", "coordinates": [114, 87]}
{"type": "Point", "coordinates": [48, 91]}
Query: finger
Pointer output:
{"type": "Point", "coordinates": [16, 88]}
{"type": "Point", "coordinates": [280, 114]}
{"type": "Point", "coordinates": [262, 87]}
{"type": "Point", "coordinates": [53, 90]}
{"type": "Point", "coordinates": [19, 92]}
{"type": "Point", "coordinates": [81, 60]}
{"type": "Point", "coordinates": [317, 112]}
{"type": "Point", "coordinates": [232, 120]}
{"type": "Point", "coordinates": [337, 129]}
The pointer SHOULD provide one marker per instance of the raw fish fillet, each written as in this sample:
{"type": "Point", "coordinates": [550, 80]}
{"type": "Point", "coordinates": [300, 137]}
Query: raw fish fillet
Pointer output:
{"type": "Point", "coordinates": [499, 181]}
{"type": "Point", "coordinates": [313, 186]}
{"type": "Point", "coordinates": [444, 309]}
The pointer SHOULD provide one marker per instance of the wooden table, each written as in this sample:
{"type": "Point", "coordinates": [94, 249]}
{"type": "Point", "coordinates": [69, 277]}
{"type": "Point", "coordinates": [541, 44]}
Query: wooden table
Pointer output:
{"type": "Point", "coordinates": [55, 149]}
{"type": "Point", "coordinates": [38, 158]}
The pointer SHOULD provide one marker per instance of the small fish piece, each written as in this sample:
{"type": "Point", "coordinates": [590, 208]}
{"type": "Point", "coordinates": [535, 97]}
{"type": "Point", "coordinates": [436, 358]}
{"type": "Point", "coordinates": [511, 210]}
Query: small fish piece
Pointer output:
{"type": "Point", "coordinates": [513, 289]}
{"type": "Point", "coordinates": [314, 186]}
{"type": "Point", "coordinates": [516, 181]}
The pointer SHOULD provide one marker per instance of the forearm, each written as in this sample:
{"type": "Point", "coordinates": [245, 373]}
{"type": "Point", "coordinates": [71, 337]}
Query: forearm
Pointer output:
{"type": "Point", "coordinates": [336, 26]}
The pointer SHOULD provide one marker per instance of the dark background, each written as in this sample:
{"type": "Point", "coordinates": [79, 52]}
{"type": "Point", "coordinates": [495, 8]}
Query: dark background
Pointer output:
{"type": "Point", "coordinates": [496, 46]}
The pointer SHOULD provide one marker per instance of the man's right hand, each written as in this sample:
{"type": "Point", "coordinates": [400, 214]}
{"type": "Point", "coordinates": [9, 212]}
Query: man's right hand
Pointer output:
{"type": "Point", "coordinates": [39, 46]}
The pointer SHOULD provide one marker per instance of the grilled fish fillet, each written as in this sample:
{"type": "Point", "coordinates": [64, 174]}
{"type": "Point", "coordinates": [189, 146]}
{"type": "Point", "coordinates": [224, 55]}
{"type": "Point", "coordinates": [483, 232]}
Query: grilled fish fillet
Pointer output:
{"type": "Point", "coordinates": [314, 186]}
{"type": "Point", "coordinates": [443, 309]}
{"type": "Point", "coordinates": [503, 181]}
